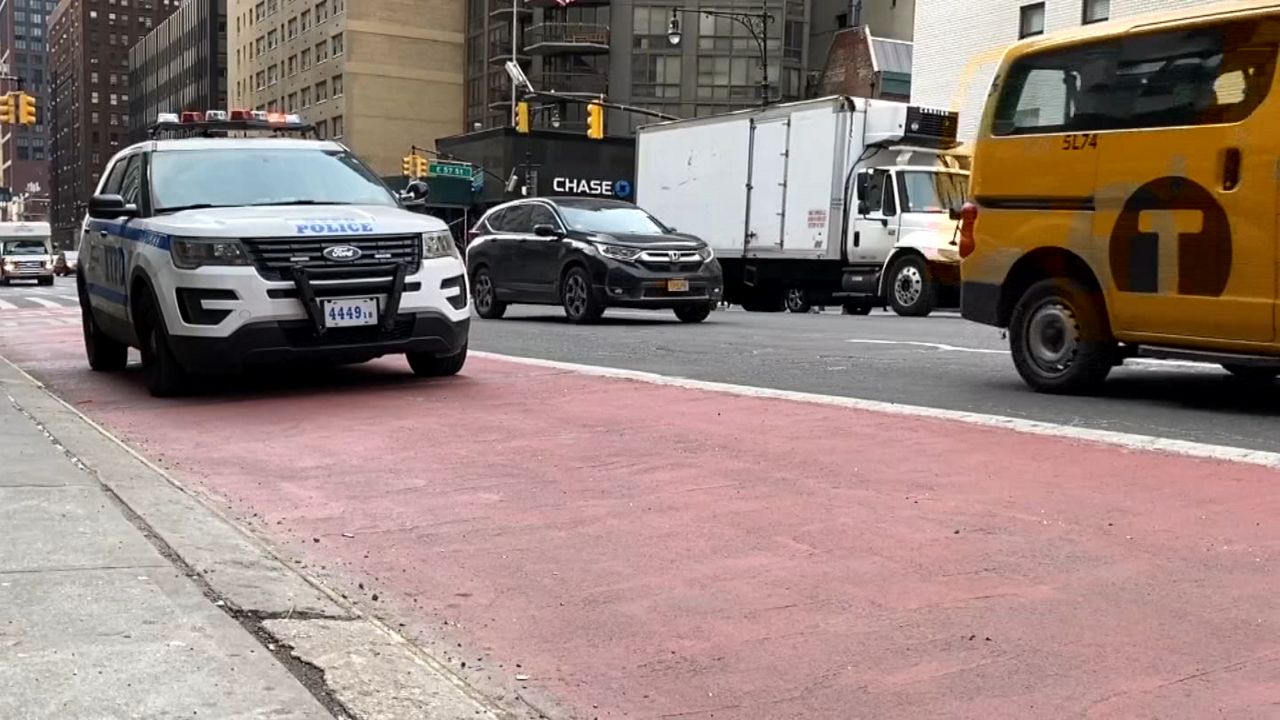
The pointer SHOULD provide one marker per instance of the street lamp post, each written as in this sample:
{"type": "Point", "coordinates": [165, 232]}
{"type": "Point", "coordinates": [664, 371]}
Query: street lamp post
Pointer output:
{"type": "Point", "coordinates": [756, 23]}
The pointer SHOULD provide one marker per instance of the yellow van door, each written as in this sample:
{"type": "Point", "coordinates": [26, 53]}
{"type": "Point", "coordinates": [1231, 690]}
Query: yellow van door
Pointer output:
{"type": "Point", "coordinates": [1186, 199]}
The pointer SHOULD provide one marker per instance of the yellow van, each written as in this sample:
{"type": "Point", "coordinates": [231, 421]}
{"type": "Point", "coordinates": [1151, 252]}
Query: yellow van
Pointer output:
{"type": "Point", "coordinates": [1124, 196]}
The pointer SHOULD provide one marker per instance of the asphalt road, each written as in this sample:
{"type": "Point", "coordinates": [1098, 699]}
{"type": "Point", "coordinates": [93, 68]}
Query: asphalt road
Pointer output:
{"type": "Point", "coordinates": [941, 361]}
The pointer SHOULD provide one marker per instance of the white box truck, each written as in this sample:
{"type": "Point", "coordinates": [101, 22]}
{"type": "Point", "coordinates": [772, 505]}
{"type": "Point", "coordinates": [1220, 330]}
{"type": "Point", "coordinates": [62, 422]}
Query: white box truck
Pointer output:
{"type": "Point", "coordinates": [834, 201]}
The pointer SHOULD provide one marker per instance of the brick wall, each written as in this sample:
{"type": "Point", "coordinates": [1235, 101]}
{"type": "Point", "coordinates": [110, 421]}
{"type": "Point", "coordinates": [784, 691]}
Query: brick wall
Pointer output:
{"type": "Point", "coordinates": [848, 69]}
{"type": "Point", "coordinates": [959, 43]}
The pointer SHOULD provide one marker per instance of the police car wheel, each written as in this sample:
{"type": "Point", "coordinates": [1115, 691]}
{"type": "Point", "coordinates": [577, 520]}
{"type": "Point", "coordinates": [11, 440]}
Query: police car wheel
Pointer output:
{"type": "Point", "coordinates": [163, 374]}
{"type": "Point", "coordinates": [105, 354]}
{"type": "Point", "coordinates": [1059, 338]}
{"type": "Point", "coordinates": [428, 365]}
{"type": "Point", "coordinates": [694, 313]}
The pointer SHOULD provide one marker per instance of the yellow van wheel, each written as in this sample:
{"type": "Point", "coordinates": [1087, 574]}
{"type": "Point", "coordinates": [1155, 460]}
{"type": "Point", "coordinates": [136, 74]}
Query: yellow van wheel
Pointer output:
{"type": "Point", "coordinates": [1060, 339]}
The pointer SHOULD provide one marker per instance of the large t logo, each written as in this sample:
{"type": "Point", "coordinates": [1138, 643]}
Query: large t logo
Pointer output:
{"type": "Point", "coordinates": [1172, 210]}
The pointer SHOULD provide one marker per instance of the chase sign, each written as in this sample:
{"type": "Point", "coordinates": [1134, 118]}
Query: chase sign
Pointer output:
{"type": "Point", "coordinates": [620, 189]}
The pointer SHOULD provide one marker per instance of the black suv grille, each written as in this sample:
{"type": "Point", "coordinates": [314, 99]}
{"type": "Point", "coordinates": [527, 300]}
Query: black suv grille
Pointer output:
{"type": "Point", "coordinates": [275, 258]}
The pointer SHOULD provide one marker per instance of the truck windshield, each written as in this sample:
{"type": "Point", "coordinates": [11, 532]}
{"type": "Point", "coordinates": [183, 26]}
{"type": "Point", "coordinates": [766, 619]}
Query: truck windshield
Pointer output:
{"type": "Point", "coordinates": [24, 247]}
{"type": "Point", "coordinates": [268, 176]}
{"type": "Point", "coordinates": [932, 192]}
{"type": "Point", "coordinates": [611, 219]}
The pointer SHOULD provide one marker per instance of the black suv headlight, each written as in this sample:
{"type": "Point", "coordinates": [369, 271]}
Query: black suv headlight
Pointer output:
{"type": "Point", "coordinates": [617, 252]}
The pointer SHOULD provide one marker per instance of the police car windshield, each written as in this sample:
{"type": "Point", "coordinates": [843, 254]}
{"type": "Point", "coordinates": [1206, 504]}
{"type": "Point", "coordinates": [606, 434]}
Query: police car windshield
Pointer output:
{"type": "Point", "coordinates": [24, 247]}
{"type": "Point", "coordinates": [182, 179]}
{"type": "Point", "coordinates": [611, 220]}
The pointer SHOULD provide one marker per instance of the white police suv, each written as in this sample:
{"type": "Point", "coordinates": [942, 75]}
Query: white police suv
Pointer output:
{"type": "Point", "coordinates": [214, 252]}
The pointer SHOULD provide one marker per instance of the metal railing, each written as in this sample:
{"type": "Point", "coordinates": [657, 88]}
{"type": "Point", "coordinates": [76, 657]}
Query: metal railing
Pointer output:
{"type": "Point", "coordinates": [574, 83]}
{"type": "Point", "coordinates": [572, 37]}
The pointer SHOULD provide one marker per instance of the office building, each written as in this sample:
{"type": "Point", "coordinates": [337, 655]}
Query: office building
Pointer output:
{"type": "Point", "coordinates": [959, 43]}
{"type": "Point", "coordinates": [621, 48]}
{"type": "Point", "coordinates": [379, 75]}
{"type": "Point", "coordinates": [179, 66]}
{"type": "Point", "coordinates": [24, 150]}
{"type": "Point", "coordinates": [88, 110]}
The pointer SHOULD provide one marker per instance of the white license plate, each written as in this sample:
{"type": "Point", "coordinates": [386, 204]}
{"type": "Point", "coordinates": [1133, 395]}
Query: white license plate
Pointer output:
{"type": "Point", "coordinates": [677, 286]}
{"type": "Point", "coordinates": [350, 312]}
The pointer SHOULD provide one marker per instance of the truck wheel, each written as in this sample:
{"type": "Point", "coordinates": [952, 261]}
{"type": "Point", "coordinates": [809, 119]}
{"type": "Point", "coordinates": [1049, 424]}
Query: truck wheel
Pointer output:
{"type": "Point", "coordinates": [911, 288]}
{"type": "Point", "coordinates": [163, 375]}
{"type": "Point", "coordinates": [1253, 373]}
{"type": "Point", "coordinates": [1059, 338]}
{"type": "Point", "coordinates": [694, 313]}
{"type": "Point", "coordinates": [105, 354]}
{"type": "Point", "coordinates": [797, 300]}
{"type": "Point", "coordinates": [580, 304]}
{"type": "Point", "coordinates": [857, 308]}
{"type": "Point", "coordinates": [485, 296]}
{"type": "Point", "coordinates": [428, 365]}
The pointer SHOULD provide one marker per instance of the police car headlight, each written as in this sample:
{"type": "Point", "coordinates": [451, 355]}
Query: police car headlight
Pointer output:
{"type": "Point", "coordinates": [192, 253]}
{"type": "Point", "coordinates": [438, 244]}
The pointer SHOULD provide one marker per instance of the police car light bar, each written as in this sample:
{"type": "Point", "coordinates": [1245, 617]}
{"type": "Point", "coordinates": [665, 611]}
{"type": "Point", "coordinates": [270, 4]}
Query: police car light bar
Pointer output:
{"type": "Point", "coordinates": [215, 123]}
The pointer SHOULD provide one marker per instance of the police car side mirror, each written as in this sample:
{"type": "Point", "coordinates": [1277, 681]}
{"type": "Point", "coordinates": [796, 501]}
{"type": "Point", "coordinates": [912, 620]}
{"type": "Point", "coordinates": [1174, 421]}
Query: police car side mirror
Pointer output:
{"type": "Point", "coordinates": [111, 207]}
{"type": "Point", "coordinates": [415, 194]}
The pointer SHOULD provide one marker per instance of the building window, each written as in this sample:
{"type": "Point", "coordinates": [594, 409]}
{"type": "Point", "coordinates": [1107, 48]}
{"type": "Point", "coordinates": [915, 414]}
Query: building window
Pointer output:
{"type": "Point", "coordinates": [322, 129]}
{"type": "Point", "coordinates": [322, 91]}
{"type": "Point", "coordinates": [304, 96]}
{"type": "Point", "coordinates": [336, 43]}
{"type": "Point", "coordinates": [1031, 20]}
{"type": "Point", "coordinates": [305, 20]}
{"type": "Point", "coordinates": [337, 126]}
{"type": "Point", "coordinates": [337, 86]}
{"type": "Point", "coordinates": [322, 52]}
{"type": "Point", "coordinates": [293, 65]}
{"type": "Point", "coordinates": [305, 58]}
{"type": "Point", "coordinates": [322, 11]}
{"type": "Point", "coordinates": [656, 76]}
{"type": "Point", "coordinates": [1096, 11]}
{"type": "Point", "coordinates": [293, 28]}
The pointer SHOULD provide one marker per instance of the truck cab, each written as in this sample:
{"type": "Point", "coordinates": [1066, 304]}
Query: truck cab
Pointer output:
{"type": "Point", "coordinates": [902, 244]}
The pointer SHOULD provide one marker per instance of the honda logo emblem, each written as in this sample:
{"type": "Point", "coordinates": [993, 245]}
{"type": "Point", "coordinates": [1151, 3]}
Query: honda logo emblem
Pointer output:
{"type": "Point", "coordinates": [674, 255]}
{"type": "Point", "coordinates": [342, 253]}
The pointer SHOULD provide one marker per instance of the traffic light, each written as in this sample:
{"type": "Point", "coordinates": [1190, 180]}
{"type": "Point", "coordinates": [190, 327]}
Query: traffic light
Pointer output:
{"type": "Point", "coordinates": [419, 166]}
{"type": "Point", "coordinates": [26, 109]}
{"type": "Point", "coordinates": [522, 117]}
{"type": "Point", "coordinates": [406, 166]}
{"type": "Point", "coordinates": [595, 121]}
{"type": "Point", "coordinates": [9, 109]}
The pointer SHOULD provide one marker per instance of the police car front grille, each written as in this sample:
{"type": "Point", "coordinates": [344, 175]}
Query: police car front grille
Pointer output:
{"type": "Point", "coordinates": [275, 258]}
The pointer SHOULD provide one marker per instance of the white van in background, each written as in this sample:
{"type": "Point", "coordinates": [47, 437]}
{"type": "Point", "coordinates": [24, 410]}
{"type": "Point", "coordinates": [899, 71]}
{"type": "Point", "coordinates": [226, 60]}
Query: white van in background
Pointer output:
{"type": "Point", "coordinates": [26, 252]}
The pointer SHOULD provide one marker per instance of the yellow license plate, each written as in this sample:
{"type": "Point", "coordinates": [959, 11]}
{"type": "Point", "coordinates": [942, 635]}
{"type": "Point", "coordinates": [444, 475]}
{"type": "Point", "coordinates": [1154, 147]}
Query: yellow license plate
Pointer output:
{"type": "Point", "coordinates": [677, 286]}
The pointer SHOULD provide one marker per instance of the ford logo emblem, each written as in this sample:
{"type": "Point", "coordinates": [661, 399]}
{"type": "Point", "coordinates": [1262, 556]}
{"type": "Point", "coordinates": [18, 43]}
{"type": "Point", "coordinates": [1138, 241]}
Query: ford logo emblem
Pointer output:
{"type": "Point", "coordinates": [342, 253]}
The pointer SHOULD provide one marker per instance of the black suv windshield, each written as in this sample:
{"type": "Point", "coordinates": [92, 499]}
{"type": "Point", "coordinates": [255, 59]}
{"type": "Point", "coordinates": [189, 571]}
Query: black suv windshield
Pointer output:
{"type": "Point", "coordinates": [611, 219]}
{"type": "Point", "coordinates": [24, 247]}
{"type": "Point", "coordinates": [932, 192]}
{"type": "Point", "coordinates": [269, 176]}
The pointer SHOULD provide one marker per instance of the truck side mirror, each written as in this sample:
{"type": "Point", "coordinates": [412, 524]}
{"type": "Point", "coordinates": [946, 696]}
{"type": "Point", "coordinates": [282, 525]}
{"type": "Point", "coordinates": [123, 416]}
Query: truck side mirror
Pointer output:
{"type": "Point", "coordinates": [863, 208]}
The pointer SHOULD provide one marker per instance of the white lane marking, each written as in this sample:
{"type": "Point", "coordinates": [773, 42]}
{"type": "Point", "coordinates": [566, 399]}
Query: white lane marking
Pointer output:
{"type": "Point", "coordinates": [5, 305]}
{"type": "Point", "coordinates": [1142, 363]}
{"type": "Point", "coordinates": [42, 301]}
{"type": "Point", "coordinates": [932, 345]}
{"type": "Point", "coordinates": [1130, 441]}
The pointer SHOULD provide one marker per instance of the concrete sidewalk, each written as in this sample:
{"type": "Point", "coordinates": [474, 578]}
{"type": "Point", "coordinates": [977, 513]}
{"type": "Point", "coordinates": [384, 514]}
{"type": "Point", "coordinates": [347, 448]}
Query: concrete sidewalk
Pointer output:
{"type": "Point", "coordinates": [124, 595]}
{"type": "Point", "coordinates": [95, 622]}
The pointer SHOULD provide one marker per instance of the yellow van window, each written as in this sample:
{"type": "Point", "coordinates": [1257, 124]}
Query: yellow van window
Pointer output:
{"type": "Point", "coordinates": [1202, 76]}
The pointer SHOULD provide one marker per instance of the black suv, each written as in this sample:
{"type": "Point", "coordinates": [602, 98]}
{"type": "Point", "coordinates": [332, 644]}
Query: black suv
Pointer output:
{"type": "Point", "coordinates": [588, 254]}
